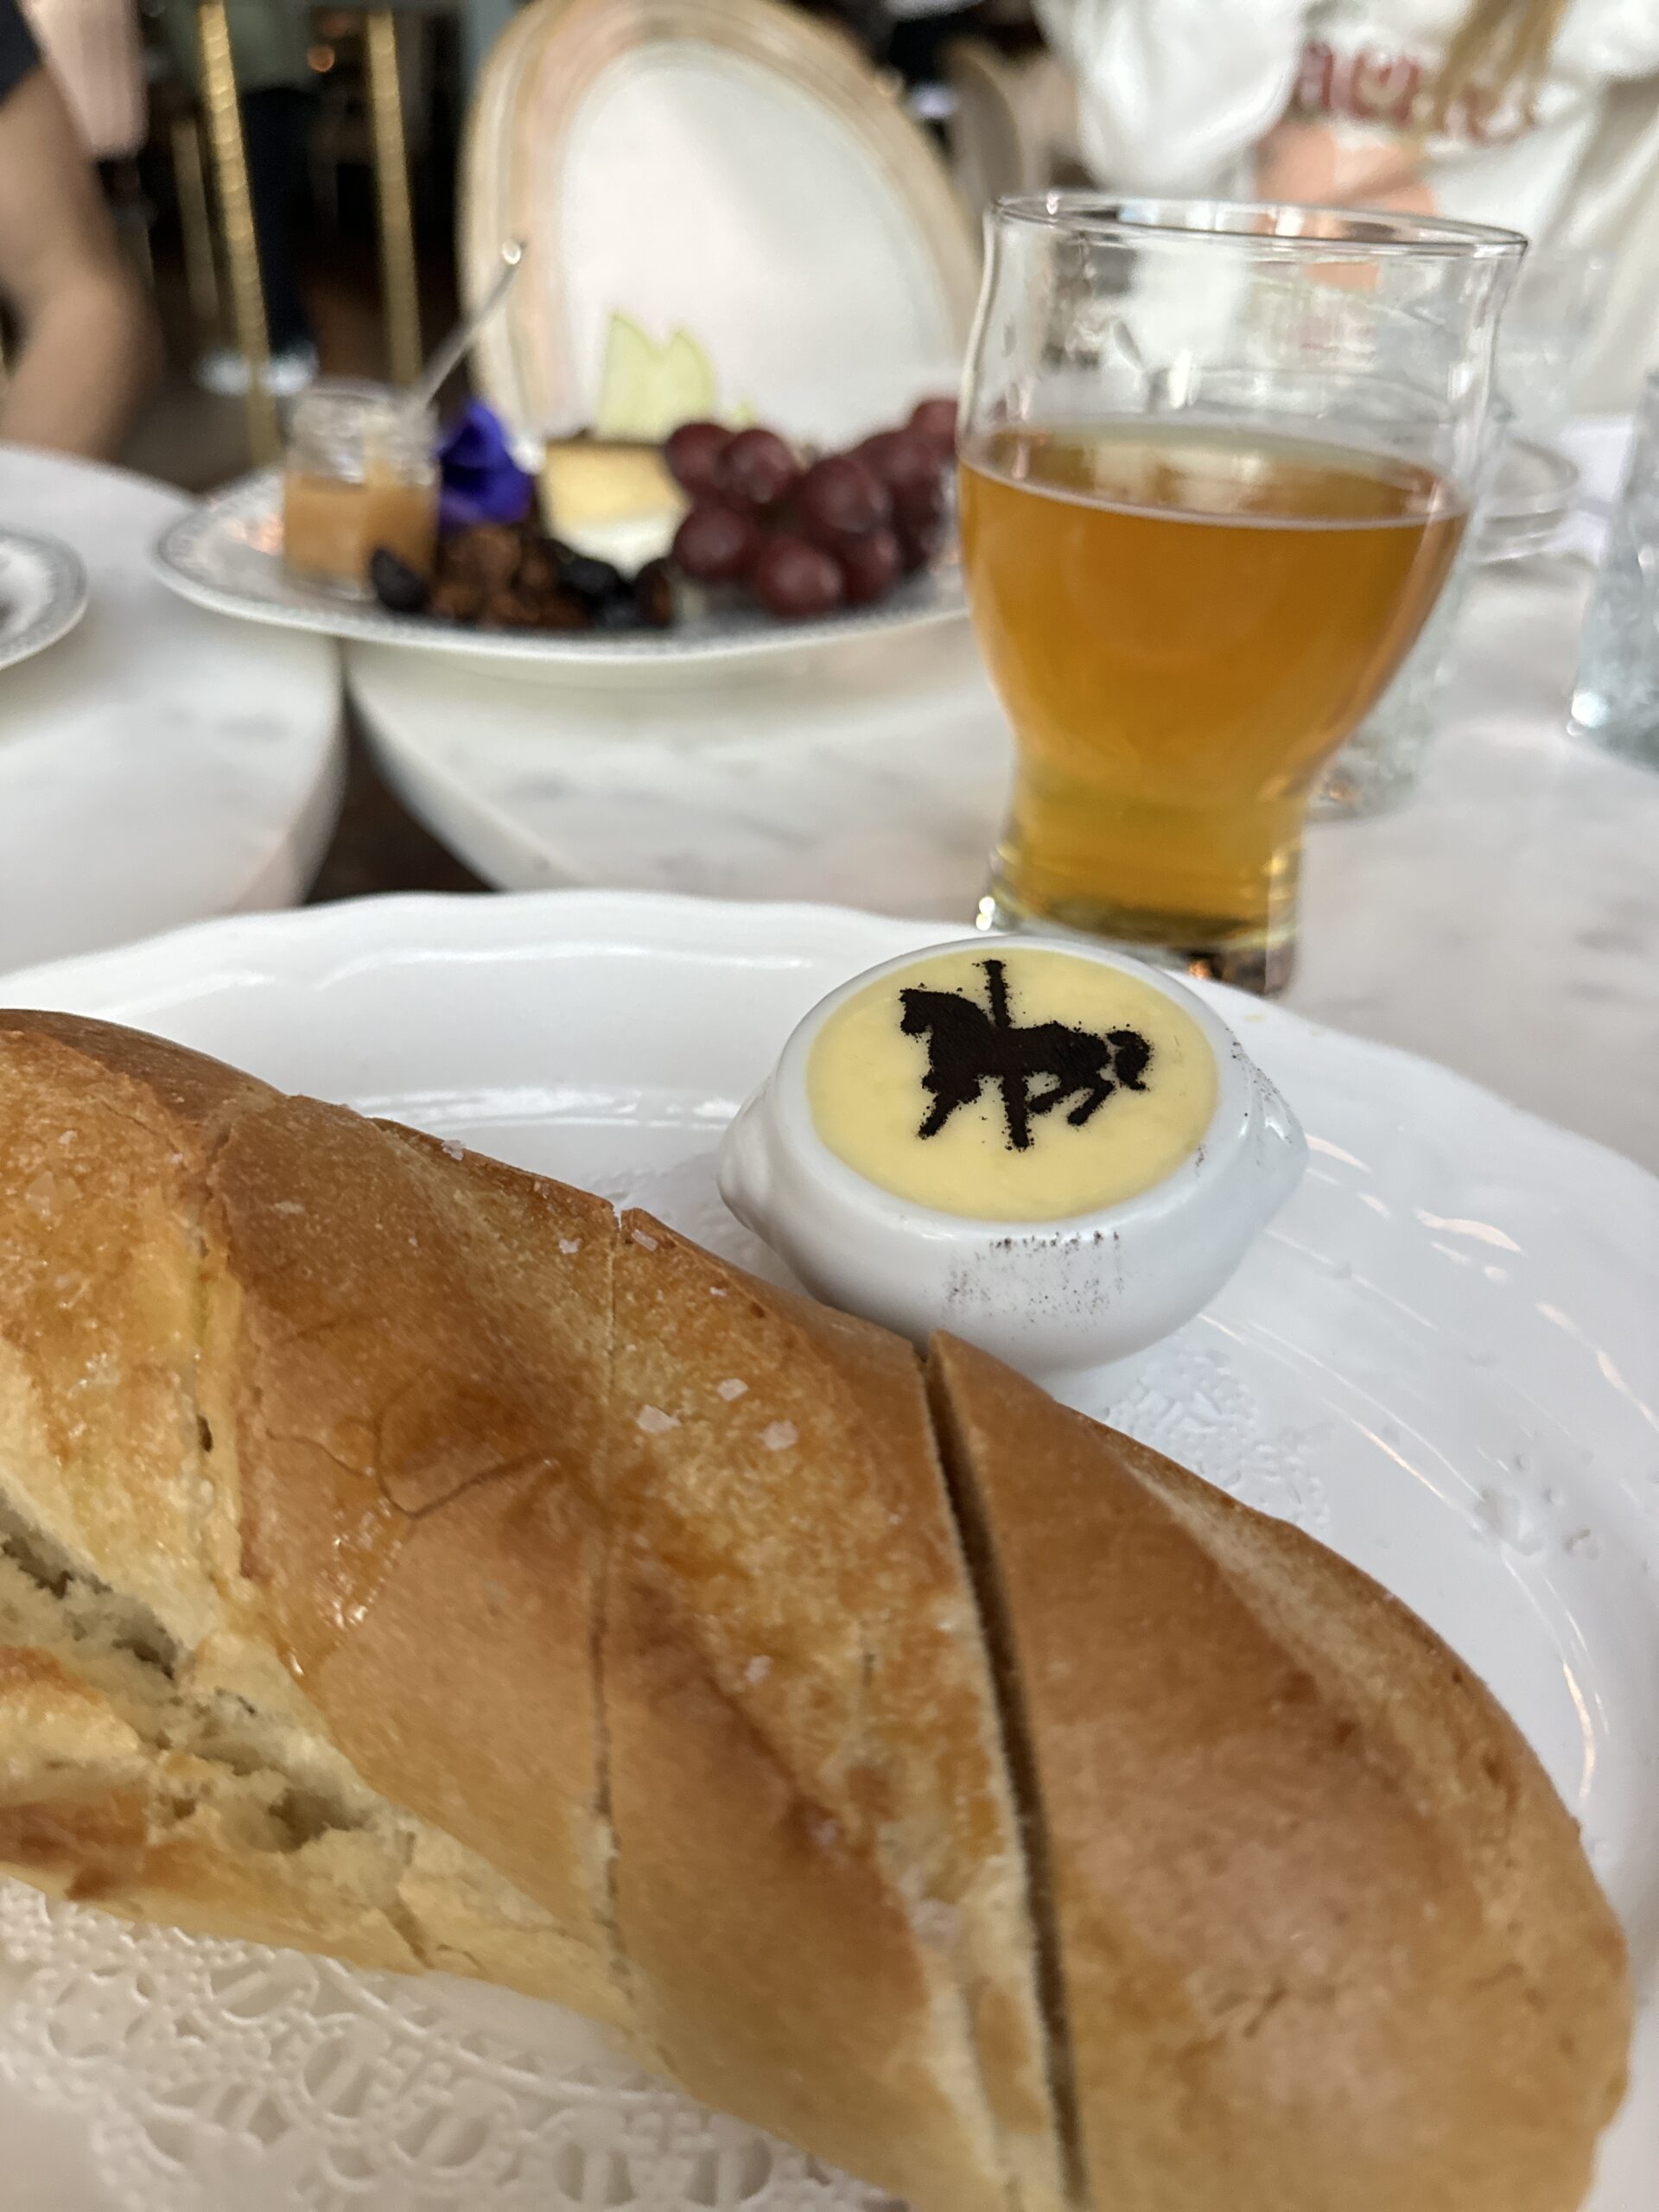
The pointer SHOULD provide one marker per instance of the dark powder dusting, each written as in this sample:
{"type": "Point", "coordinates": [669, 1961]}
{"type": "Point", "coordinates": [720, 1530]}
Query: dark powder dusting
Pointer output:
{"type": "Point", "coordinates": [1035, 1067]}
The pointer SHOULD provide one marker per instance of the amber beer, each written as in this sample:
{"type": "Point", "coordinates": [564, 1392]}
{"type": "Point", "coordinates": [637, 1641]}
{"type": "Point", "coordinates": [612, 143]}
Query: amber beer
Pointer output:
{"type": "Point", "coordinates": [1183, 622]}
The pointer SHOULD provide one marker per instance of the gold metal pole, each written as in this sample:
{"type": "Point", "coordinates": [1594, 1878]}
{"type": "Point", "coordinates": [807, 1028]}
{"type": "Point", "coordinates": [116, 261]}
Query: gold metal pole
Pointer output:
{"type": "Point", "coordinates": [195, 219]}
{"type": "Point", "coordinates": [397, 275]}
{"type": "Point", "coordinates": [236, 214]}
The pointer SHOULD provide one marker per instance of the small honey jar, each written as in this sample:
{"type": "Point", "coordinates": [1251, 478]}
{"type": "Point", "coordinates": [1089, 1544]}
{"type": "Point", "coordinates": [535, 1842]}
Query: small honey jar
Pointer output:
{"type": "Point", "coordinates": [359, 476]}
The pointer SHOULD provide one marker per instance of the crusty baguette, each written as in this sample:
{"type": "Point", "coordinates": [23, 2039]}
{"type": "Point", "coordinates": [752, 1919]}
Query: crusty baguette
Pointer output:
{"type": "Point", "coordinates": [391, 1564]}
{"type": "Point", "coordinates": [792, 1662]}
{"type": "Point", "coordinates": [319, 1414]}
{"type": "Point", "coordinates": [1325, 1936]}
{"type": "Point", "coordinates": [247, 1383]}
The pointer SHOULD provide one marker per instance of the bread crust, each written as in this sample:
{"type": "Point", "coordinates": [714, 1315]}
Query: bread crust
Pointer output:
{"type": "Point", "coordinates": [386, 1474]}
{"type": "Point", "coordinates": [794, 1663]}
{"type": "Point", "coordinates": [342, 1445]}
{"type": "Point", "coordinates": [402, 1558]}
{"type": "Point", "coordinates": [415, 1390]}
{"type": "Point", "coordinates": [1328, 1938]}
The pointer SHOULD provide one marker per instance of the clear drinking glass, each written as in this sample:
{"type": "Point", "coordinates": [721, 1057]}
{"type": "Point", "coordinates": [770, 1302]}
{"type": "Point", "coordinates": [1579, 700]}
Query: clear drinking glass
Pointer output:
{"type": "Point", "coordinates": [1616, 696]}
{"type": "Point", "coordinates": [1378, 766]}
{"type": "Point", "coordinates": [1216, 466]}
{"type": "Point", "coordinates": [358, 474]}
{"type": "Point", "coordinates": [1550, 318]}
{"type": "Point", "coordinates": [1525, 494]}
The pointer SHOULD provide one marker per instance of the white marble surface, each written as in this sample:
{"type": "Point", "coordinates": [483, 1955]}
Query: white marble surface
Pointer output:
{"type": "Point", "coordinates": [873, 783]}
{"type": "Point", "coordinates": [159, 764]}
{"type": "Point", "coordinates": [1504, 922]}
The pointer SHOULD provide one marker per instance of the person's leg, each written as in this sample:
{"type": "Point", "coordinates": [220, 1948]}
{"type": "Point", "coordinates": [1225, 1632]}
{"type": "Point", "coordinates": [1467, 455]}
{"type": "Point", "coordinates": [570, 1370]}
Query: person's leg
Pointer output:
{"type": "Point", "coordinates": [275, 120]}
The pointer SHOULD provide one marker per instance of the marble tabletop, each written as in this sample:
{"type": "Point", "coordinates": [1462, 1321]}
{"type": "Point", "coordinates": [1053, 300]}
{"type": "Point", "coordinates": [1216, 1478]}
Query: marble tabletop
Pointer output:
{"type": "Point", "coordinates": [158, 765]}
{"type": "Point", "coordinates": [1504, 922]}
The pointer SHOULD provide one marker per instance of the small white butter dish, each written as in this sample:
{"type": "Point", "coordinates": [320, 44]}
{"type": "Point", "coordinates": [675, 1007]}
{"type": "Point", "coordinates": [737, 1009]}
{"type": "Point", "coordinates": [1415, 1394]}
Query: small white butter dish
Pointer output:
{"type": "Point", "coordinates": [1050, 1295]}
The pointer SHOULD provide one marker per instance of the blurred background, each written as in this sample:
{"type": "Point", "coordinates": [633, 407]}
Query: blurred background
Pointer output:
{"type": "Point", "coordinates": [1018, 94]}
{"type": "Point", "coordinates": [769, 213]}
{"type": "Point", "coordinates": [980, 78]}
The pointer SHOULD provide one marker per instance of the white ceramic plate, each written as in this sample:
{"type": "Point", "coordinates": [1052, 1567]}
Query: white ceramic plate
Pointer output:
{"type": "Point", "coordinates": [42, 593]}
{"type": "Point", "coordinates": [226, 555]}
{"type": "Point", "coordinates": [738, 173]}
{"type": "Point", "coordinates": [1442, 1359]}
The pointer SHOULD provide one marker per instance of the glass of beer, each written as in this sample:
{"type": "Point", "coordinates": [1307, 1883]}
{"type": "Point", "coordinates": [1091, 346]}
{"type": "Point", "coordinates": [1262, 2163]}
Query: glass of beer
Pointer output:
{"type": "Point", "coordinates": [1216, 461]}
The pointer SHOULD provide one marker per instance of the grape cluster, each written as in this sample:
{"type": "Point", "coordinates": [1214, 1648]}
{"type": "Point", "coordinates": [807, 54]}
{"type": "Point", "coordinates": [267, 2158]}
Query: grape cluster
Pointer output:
{"type": "Point", "coordinates": [803, 540]}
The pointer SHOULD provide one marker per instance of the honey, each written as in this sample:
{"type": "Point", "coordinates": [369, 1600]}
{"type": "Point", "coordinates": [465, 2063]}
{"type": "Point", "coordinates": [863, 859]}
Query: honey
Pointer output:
{"type": "Point", "coordinates": [358, 477]}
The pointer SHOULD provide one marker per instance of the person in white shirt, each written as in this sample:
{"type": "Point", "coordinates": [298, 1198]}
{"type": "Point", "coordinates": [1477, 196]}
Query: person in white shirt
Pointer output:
{"type": "Point", "coordinates": [1489, 111]}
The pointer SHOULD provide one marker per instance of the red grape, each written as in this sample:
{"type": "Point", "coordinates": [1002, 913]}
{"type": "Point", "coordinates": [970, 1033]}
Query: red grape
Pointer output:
{"type": "Point", "coordinates": [756, 466]}
{"type": "Point", "coordinates": [691, 452]}
{"type": "Point", "coordinates": [839, 497]}
{"type": "Point", "coordinates": [715, 543]}
{"type": "Point", "coordinates": [902, 459]}
{"type": "Point", "coordinates": [920, 503]}
{"type": "Point", "coordinates": [870, 566]}
{"type": "Point", "coordinates": [935, 419]}
{"type": "Point", "coordinates": [918, 542]}
{"type": "Point", "coordinates": [794, 578]}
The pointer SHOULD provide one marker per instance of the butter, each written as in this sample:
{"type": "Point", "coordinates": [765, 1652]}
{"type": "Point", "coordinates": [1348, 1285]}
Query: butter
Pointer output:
{"type": "Point", "coordinates": [1101, 1152]}
{"type": "Point", "coordinates": [588, 484]}
{"type": "Point", "coordinates": [1012, 1084]}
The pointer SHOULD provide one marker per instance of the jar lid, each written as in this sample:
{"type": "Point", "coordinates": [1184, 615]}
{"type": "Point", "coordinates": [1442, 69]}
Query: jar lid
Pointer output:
{"type": "Point", "coordinates": [338, 417]}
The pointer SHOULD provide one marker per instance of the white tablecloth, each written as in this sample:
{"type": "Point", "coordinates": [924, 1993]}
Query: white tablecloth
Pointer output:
{"type": "Point", "coordinates": [158, 765]}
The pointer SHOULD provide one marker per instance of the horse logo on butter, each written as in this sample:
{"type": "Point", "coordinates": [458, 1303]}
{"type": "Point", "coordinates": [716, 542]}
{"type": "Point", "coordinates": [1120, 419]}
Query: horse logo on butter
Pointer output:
{"type": "Point", "coordinates": [969, 1045]}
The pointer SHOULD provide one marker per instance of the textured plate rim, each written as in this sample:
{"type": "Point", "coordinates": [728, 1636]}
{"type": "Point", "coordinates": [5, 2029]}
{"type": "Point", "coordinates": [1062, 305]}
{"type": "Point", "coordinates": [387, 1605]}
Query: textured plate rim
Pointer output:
{"type": "Point", "coordinates": [175, 560]}
{"type": "Point", "coordinates": [393, 922]}
{"type": "Point", "coordinates": [66, 600]}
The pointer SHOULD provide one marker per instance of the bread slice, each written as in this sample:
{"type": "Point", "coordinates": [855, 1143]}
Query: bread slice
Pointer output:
{"type": "Point", "coordinates": [1327, 1940]}
{"type": "Point", "coordinates": [411, 1383]}
{"type": "Point", "coordinates": [401, 1558]}
{"type": "Point", "coordinates": [831, 1932]}
{"type": "Point", "coordinates": [122, 1786]}
{"type": "Point", "coordinates": [301, 1415]}
{"type": "Point", "coordinates": [384, 1623]}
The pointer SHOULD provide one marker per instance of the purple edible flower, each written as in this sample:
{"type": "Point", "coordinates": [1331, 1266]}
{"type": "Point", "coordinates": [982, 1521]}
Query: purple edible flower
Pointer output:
{"type": "Point", "coordinates": [481, 481]}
